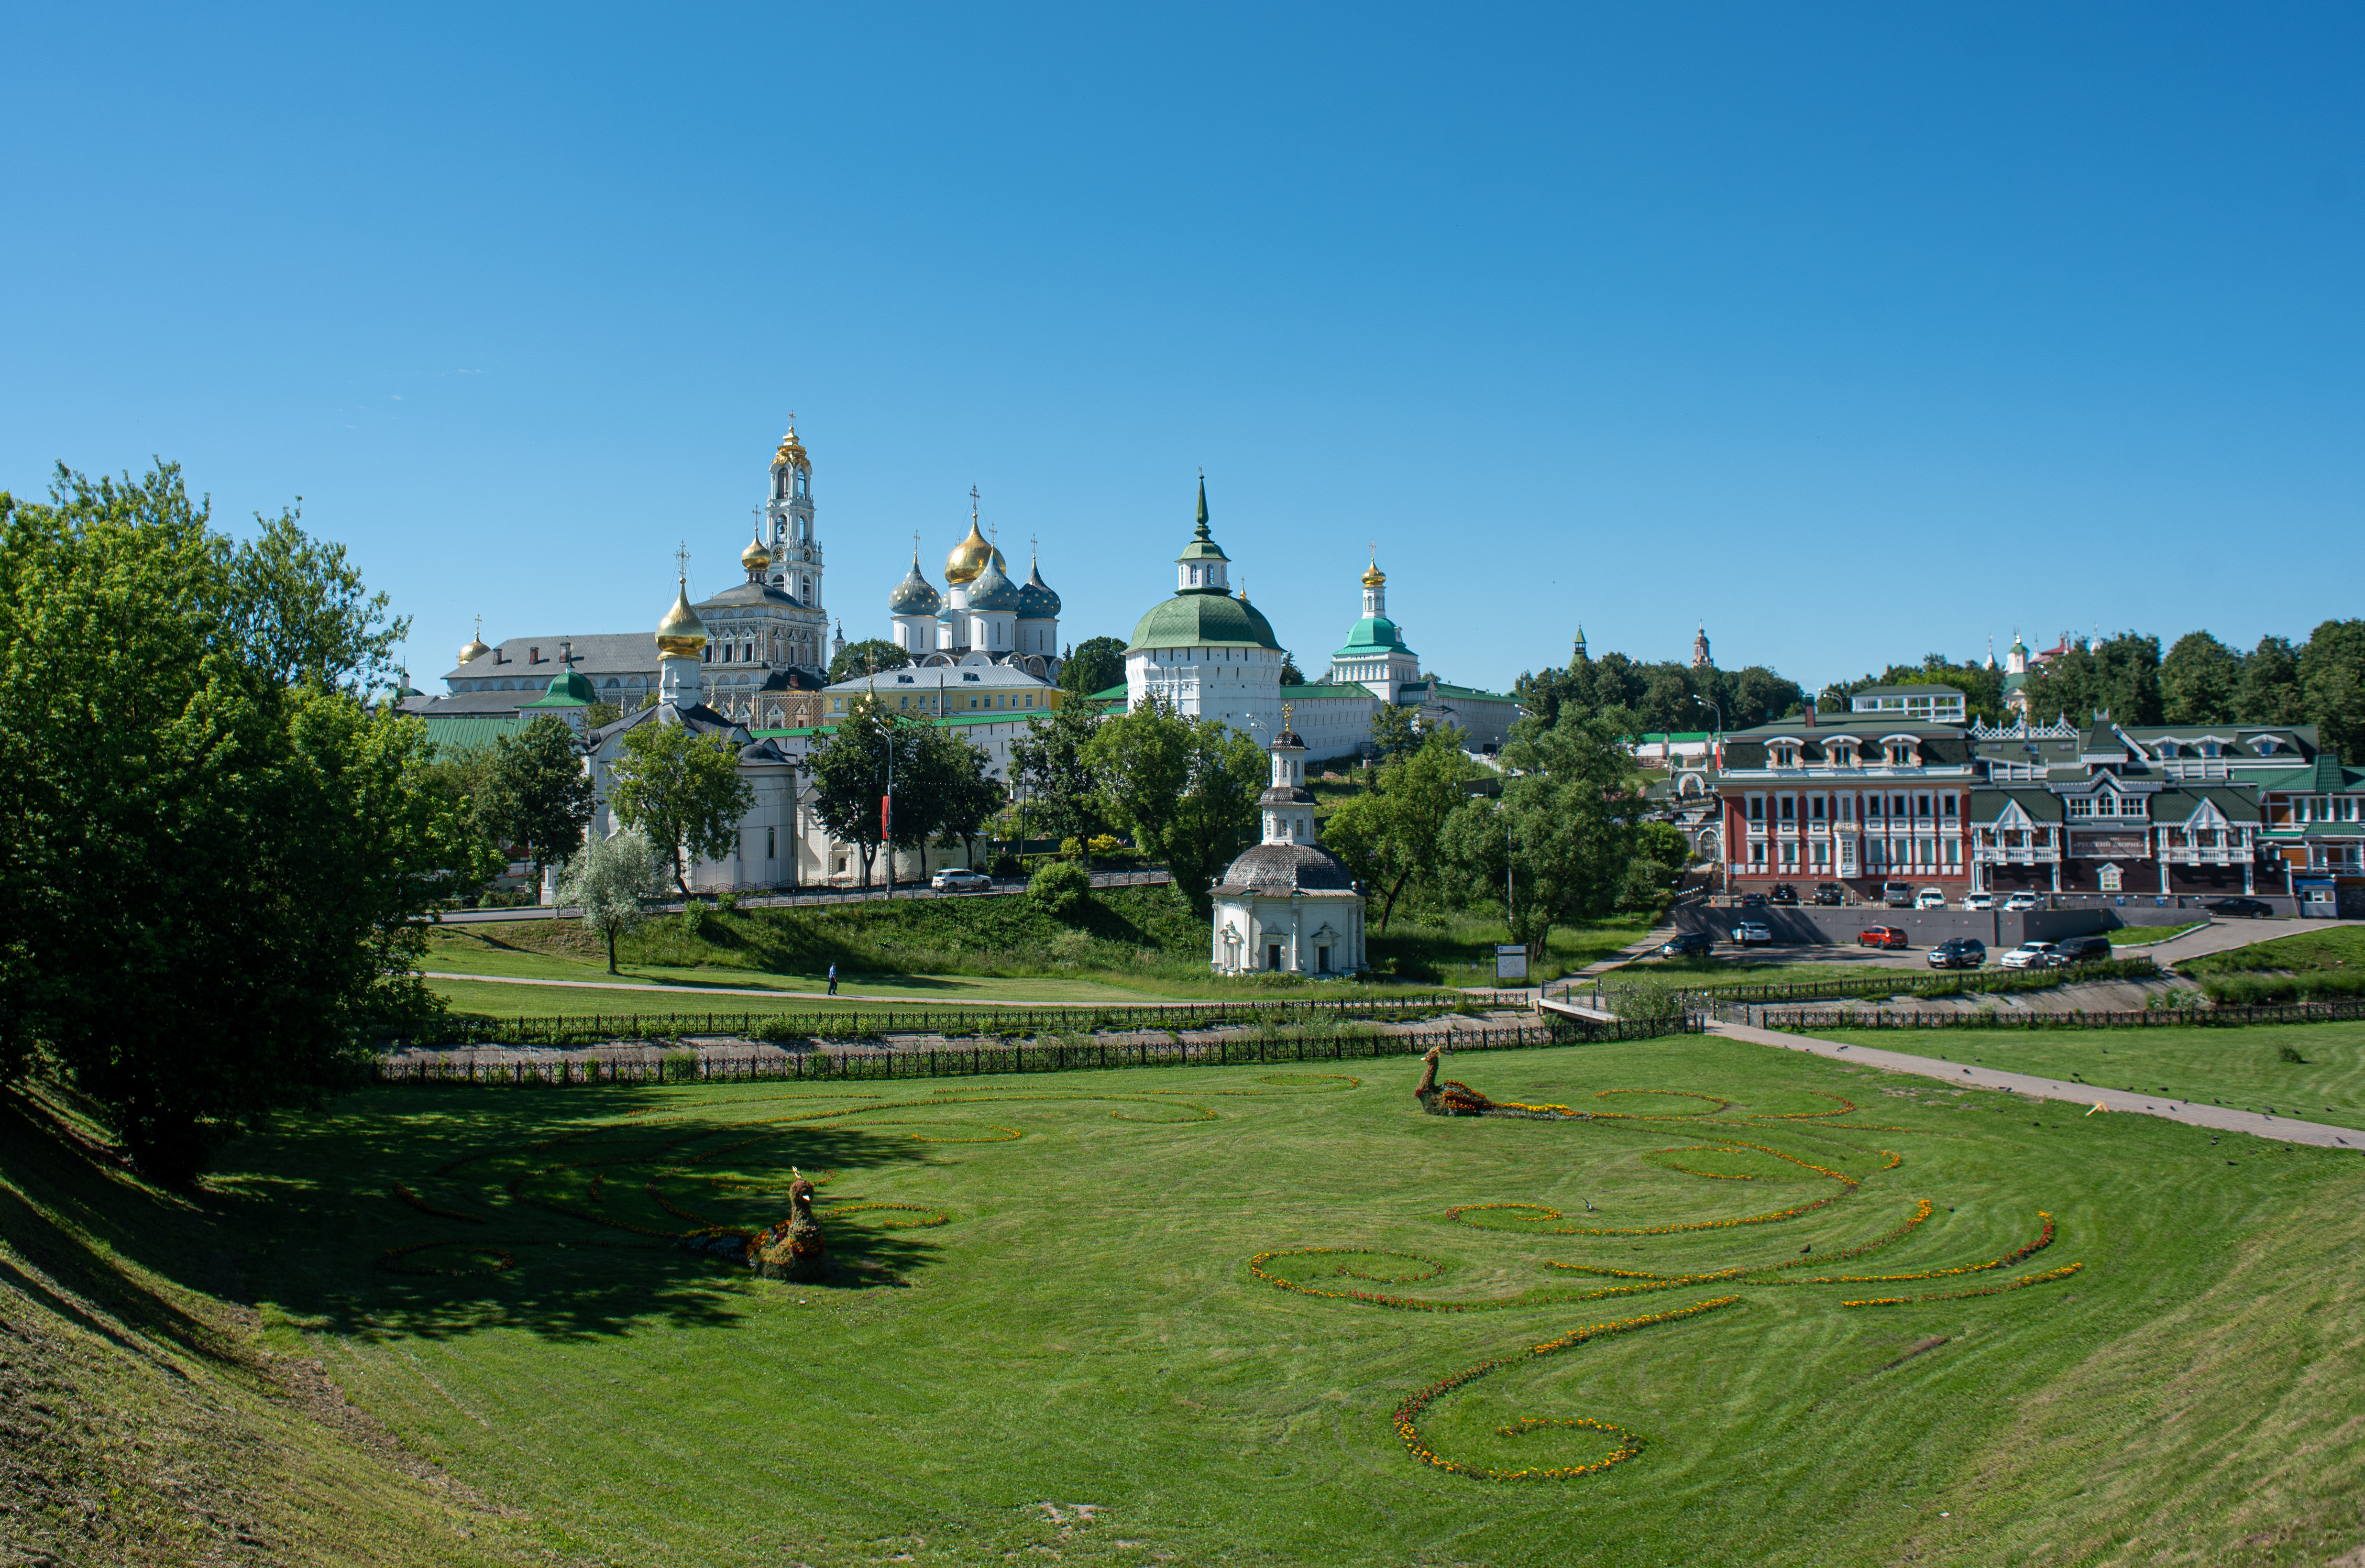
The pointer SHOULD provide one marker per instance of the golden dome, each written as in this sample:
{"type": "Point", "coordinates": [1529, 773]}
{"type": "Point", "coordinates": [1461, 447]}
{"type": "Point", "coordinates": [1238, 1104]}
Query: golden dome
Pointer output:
{"type": "Point", "coordinates": [474, 648]}
{"type": "Point", "coordinates": [1374, 576]}
{"type": "Point", "coordinates": [681, 632]}
{"type": "Point", "coordinates": [755, 556]}
{"type": "Point", "coordinates": [792, 451]}
{"type": "Point", "coordinates": [968, 557]}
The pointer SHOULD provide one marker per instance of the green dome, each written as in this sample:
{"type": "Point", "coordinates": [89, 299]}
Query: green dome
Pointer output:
{"type": "Point", "coordinates": [1373, 634]}
{"type": "Point", "coordinates": [1203, 620]}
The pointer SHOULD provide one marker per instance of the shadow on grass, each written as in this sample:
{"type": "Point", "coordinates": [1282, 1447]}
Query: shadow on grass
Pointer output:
{"type": "Point", "coordinates": [308, 1219]}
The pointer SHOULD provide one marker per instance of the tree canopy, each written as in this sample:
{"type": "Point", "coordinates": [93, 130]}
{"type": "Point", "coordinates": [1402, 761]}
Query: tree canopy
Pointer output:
{"type": "Point", "coordinates": [1185, 789]}
{"type": "Point", "coordinates": [536, 795]}
{"type": "Point", "coordinates": [1093, 665]}
{"type": "Point", "coordinates": [863, 657]}
{"type": "Point", "coordinates": [1558, 847]}
{"type": "Point", "coordinates": [683, 790]}
{"type": "Point", "coordinates": [217, 863]}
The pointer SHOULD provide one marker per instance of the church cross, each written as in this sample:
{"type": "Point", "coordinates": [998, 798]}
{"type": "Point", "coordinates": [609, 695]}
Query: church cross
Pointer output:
{"type": "Point", "coordinates": [681, 561]}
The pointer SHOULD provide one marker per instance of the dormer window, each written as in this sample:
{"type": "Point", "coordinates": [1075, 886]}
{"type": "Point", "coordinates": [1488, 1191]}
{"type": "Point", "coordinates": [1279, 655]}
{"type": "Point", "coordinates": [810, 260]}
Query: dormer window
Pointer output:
{"type": "Point", "coordinates": [2210, 749]}
{"type": "Point", "coordinates": [1786, 756]}
{"type": "Point", "coordinates": [2167, 748]}
{"type": "Point", "coordinates": [1899, 753]}
{"type": "Point", "coordinates": [2268, 745]}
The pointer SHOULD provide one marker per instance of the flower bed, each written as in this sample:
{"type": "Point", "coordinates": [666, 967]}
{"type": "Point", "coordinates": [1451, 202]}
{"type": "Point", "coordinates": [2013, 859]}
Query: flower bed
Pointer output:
{"type": "Point", "coordinates": [2049, 1277]}
{"type": "Point", "coordinates": [1407, 1414]}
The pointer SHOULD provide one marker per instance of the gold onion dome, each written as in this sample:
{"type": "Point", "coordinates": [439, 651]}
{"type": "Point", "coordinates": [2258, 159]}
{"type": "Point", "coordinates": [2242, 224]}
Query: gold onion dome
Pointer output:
{"type": "Point", "coordinates": [681, 632]}
{"type": "Point", "coordinates": [755, 556]}
{"type": "Point", "coordinates": [969, 556]}
{"type": "Point", "coordinates": [792, 451]}
{"type": "Point", "coordinates": [472, 650]}
{"type": "Point", "coordinates": [1374, 576]}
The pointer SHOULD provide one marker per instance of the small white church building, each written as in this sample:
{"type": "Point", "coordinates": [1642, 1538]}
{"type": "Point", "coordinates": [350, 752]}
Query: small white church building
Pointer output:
{"type": "Point", "coordinates": [1287, 904]}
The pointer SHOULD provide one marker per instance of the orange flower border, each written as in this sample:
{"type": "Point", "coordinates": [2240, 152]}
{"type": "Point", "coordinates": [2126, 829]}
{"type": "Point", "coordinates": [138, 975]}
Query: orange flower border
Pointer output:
{"type": "Point", "coordinates": [1407, 1414]}
{"type": "Point", "coordinates": [423, 1207]}
{"type": "Point", "coordinates": [2050, 1276]}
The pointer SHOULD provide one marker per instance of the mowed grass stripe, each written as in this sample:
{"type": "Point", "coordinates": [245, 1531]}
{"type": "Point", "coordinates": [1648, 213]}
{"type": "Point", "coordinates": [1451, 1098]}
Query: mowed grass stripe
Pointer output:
{"type": "Point", "coordinates": [1085, 1331]}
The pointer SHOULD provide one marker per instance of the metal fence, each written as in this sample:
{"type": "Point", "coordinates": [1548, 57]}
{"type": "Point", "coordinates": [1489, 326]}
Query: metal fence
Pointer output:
{"type": "Point", "coordinates": [983, 1058]}
{"type": "Point", "coordinates": [1895, 982]}
{"type": "Point", "coordinates": [2147, 1018]}
{"type": "Point", "coordinates": [858, 1024]}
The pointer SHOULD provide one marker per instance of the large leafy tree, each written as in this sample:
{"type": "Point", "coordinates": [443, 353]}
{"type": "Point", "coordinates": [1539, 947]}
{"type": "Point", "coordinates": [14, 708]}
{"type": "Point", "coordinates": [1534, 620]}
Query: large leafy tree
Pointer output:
{"type": "Point", "coordinates": [2269, 691]}
{"type": "Point", "coordinates": [852, 771]}
{"type": "Point", "coordinates": [536, 794]}
{"type": "Point", "coordinates": [1185, 789]}
{"type": "Point", "coordinates": [683, 790]}
{"type": "Point", "coordinates": [2332, 684]}
{"type": "Point", "coordinates": [862, 658]}
{"type": "Point", "coordinates": [1058, 794]}
{"type": "Point", "coordinates": [1093, 665]}
{"type": "Point", "coordinates": [2200, 681]}
{"type": "Point", "coordinates": [1391, 836]}
{"type": "Point", "coordinates": [217, 864]}
{"type": "Point", "coordinates": [2119, 676]}
{"type": "Point", "coordinates": [1558, 847]}
{"type": "Point", "coordinates": [947, 791]}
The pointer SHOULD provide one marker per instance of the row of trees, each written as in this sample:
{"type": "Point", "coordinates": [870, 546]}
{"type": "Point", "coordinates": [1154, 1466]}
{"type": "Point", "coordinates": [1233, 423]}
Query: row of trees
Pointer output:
{"type": "Point", "coordinates": [1093, 665]}
{"type": "Point", "coordinates": [1660, 697]}
{"type": "Point", "coordinates": [2201, 680]}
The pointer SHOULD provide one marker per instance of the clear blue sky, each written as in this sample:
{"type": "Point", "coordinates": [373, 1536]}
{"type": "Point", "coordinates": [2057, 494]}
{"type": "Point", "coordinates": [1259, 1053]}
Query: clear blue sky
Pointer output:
{"type": "Point", "coordinates": [1857, 332]}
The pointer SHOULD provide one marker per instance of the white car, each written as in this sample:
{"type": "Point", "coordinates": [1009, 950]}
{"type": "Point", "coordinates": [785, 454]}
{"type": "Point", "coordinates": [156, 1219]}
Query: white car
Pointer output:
{"type": "Point", "coordinates": [960, 879]}
{"type": "Point", "coordinates": [2021, 903]}
{"type": "Point", "coordinates": [1979, 903]}
{"type": "Point", "coordinates": [2032, 956]}
{"type": "Point", "coordinates": [1750, 934]}
{"type": "Point", "coordinates": [1930, 898]}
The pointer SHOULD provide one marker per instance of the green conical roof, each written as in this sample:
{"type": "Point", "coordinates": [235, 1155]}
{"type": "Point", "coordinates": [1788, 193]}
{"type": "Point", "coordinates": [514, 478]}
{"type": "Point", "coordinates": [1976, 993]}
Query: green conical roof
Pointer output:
{"type": "Point", "coordinates": [568, 690]}
{"type": "Point", "coordinates": [1202, 547]}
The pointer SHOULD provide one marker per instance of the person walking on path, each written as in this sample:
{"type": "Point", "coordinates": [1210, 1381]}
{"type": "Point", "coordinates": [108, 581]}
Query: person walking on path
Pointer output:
{"type": "Point", "coordinates": [832, 979]}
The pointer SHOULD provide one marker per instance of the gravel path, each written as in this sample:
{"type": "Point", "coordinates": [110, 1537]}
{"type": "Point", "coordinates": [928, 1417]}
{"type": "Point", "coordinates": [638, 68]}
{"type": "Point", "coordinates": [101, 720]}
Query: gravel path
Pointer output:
{"type": "Point", "coordinates": [1976, 1077]}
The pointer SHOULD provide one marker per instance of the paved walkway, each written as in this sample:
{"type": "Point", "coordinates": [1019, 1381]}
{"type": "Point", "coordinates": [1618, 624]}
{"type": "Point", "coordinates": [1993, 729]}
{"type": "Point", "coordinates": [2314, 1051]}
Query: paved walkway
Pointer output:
{"type": "Point", "coordinates": [691, 993]}
{"type": "Point", "coordinates": [1976, 1077]}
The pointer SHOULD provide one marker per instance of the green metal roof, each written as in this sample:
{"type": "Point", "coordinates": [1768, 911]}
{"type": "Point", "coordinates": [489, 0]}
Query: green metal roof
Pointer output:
{"type": "Point", "coordinates": [464, 731]}
{"type": "Point", "coordinates": [568, 690]}
{"type": "Point", "coordinates": [1203, 621]}
{"type": "Point", "coordinates": [1372, 637]}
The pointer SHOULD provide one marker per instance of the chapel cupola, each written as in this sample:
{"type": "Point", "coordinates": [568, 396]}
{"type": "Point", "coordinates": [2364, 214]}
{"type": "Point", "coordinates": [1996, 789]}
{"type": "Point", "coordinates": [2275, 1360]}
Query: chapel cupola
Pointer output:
{"type": "Point", "coordinates": [1202, 566]}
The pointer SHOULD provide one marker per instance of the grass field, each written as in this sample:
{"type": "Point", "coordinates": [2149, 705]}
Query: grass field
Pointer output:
{"type": "Point", "coordinates": [1079, 1357]}
{"type": "Point", "coordinates": [1132, 944]}
{"type": "Point", "coordinates": [2243, 1066]}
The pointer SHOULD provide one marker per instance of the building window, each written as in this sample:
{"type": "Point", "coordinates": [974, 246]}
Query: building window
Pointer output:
{"type": "Point", "coordinates": [1949, 804]}
{"type": "Point", "coordinates": [1757, 854]}
{"type": "Point", "coordinates": [1815, 807]}
{"type": "Point", "coordinates": [771, 842]}
{"type": "Point", "coordinates": [1757, 808]}
{"type": "Point", "coordinates": [1787, 808]}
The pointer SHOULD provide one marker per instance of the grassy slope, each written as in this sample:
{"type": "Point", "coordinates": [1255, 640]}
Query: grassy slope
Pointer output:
{"type": "Point", "coordinates": [2333, 947]}
{"type": "Point", "coordinates": [2241, 1067]}
{"type": "Point", "coordinates": [1084, 1330]}
{"type": "Point", "coordinates": [1131, 945]}
{"type": "Point", "coordinates": [144, 1421]}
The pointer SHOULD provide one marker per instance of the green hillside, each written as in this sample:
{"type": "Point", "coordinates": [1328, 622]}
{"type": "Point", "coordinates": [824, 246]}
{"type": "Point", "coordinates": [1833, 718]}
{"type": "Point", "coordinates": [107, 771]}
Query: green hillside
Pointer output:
{"type": "Point", "coordinates": [1092, 1314]}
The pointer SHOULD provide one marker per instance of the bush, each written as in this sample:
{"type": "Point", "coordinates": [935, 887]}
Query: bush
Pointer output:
{"type": "Point", "coordinates": [1106, 844]}
{"type": "Point", "coordinates": [727, 902]}
{"type": "Point", "coordinates": [693, 919]}
{"type": "Point", "coordinates": [1061, 887]}
{"type": "Point", "coordinates": [1647, 1000]}
{"type": "Point", "coordinates": [1072, 849]}
{"type": "Point", "coordinates": [2272, 990]}
{"type": "Point", "coordinates": [1006, 866]}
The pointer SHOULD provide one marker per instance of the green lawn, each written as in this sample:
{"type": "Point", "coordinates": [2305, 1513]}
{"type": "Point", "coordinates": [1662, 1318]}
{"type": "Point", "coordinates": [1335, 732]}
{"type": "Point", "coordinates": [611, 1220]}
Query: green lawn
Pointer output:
{"type": "Point", "coordinates": [2241, 1067]}
{"type": "Point", "coordinates": [2335, 947]}
{"type": "Point", "coordinates": [2144, 935]}
{"type": "Point", "coordinates": [1714, 971]}
{"type": "Point", "coordinates": [1084, 1328]}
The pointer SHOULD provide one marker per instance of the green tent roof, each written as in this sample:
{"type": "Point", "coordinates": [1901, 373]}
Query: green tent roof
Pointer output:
{"type": "Point", "coordinates": [568, 690]}
{"type": "Point", "coordinates": [1203, 621]}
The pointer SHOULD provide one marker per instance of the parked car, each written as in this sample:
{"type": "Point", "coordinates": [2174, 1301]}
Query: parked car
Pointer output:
{"type": "Point", "coordinates": [1830, 894]}
{"type": "Point", "coordinates": [2082, 950]}
{"type": "Point", "coordinates": [2250, 909]}
{"type": "Point", "coordinates": [1881, 936]}
{"type": "Point", "coordinates": [2021, 903]}
{"type": "Point", "coordinates": [1785, 894]}
{"type": "Point", "coordinates": [960, 879]}
{"type": "Point", "coordinates": [1979, 903]}
{"type": "Point", "coordinates": [1897, 895]}
{"type": "Point", "coordinates": [1960, 953]}
{"type": "Point", "coordinates": [1930, 898]}
{"type": "Point", "coordinates": [2032, 956]}
{"type": "Point", "coordinates": [1685, 942]}
{"type": "Point", "coordinates": [1753, 901]}
{"type": "Point", "coordinates": [1750, 934]}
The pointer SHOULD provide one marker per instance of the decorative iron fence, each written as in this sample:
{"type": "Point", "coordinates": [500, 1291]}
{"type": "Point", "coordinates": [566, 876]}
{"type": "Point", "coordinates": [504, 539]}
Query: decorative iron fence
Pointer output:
{"type": "Point", "coordinates": [1808, 1019]}
{"type": "Point", "coordinates": [1897, 982]}
{"type": "Point", "coordinates": [983, 1058]}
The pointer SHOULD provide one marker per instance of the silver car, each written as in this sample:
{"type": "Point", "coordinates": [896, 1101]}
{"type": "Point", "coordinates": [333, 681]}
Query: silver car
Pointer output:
{"type": "Point", "coordinates": [1750, 934]}
{"type": "Point", "coordinates": [960, 879]}
{"type": "Point", "coordinates": [2032, 956]}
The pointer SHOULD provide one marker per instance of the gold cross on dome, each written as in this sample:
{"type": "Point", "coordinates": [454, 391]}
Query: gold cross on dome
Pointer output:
{"type": "Point", "coordinates": [682, 561]}
{"type": "Point", "coordinates": [1286, 711]}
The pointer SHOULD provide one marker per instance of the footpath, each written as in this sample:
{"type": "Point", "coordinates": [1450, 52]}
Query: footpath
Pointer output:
{"type": "Point", "coordinates": [2217, 1117]}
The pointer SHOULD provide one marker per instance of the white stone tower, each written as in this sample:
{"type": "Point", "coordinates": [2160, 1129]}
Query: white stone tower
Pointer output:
{"type": "Point", "coordinates": [789, 523]}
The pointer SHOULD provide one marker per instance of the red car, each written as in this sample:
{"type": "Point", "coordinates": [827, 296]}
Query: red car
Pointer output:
{"type": "Point", "coordinates": [1881, 936]}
